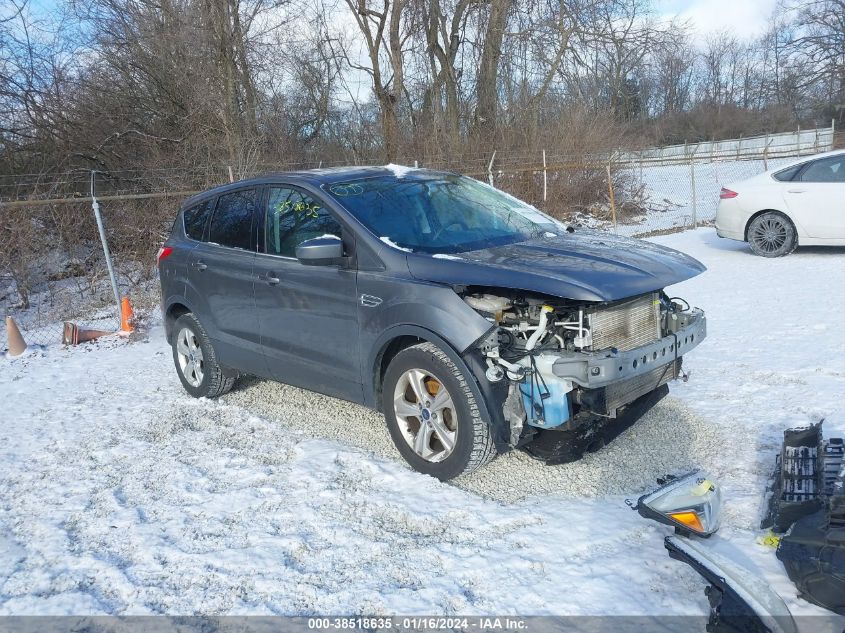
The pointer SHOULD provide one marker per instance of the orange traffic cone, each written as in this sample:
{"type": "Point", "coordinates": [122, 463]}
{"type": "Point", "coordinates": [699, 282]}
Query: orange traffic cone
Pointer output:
{"type": "Point", "coordinates": [126, 315]}
{"type": "Point", "coordinates": [16, 344]}
{"type": "Point", "coordinates": [72, 334]}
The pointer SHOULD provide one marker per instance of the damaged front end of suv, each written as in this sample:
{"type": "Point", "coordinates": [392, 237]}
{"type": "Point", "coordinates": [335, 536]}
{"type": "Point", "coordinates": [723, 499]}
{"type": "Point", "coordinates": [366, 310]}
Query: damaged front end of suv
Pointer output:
{"type": "Point", "coordinates": [560, 337]}
{"type": "Point", "coordinates": [578, 373]}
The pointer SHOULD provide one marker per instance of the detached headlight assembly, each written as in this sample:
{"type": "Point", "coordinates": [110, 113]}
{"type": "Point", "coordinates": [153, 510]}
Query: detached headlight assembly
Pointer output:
{"type": "Point", "coordinates": [692, 504]}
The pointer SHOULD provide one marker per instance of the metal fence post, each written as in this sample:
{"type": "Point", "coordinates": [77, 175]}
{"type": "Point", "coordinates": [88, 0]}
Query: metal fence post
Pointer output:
{"type": "Point", "coordinates": [545, 178]}
{"type": "Point", "coordinates": [96, 206]}
{"type": "Point", "coordinates": [692, 184]}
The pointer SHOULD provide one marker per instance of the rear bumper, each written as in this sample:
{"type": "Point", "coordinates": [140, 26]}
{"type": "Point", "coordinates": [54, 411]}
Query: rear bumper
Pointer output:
{"type": "Point", "coordinates": [592, 370]}
{"type": "Point", "coordinates": [731, 235]}
{"type": "Point", "coordinates": [731, 220]}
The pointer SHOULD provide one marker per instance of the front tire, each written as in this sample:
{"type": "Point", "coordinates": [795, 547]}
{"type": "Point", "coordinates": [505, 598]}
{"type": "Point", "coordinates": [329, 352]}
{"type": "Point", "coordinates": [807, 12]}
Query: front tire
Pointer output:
{"type": "Point", "coordinates": [196, 362]}
{"type": "Point", "coordinates": [432, 414]}
{"type": "Point", "coordinates": [772, 234]}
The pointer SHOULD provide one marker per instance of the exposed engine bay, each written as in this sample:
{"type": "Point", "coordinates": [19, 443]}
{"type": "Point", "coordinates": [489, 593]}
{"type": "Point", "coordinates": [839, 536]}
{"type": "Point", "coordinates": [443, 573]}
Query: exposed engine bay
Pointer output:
{"type": "Point", "coordinates": [568, 361]}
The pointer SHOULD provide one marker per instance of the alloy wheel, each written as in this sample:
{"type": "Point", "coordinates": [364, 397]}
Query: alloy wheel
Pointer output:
{"type": "Point", "coordinates": [425, 414]}
{"type": "Point", "coordinates": [769, 235]}
{"type": "Point", "coordinates": [189, 354]}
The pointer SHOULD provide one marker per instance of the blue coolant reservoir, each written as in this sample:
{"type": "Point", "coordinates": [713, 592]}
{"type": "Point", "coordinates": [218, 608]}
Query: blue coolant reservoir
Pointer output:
{"type": "Point", "coordinates": [545, 396]}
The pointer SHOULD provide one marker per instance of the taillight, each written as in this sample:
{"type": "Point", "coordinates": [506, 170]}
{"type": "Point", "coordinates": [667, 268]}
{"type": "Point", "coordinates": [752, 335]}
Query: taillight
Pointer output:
{"type": "Point", "coordinates": [163, 253]}
{"type": "Point", "coordinates": [726, 194]}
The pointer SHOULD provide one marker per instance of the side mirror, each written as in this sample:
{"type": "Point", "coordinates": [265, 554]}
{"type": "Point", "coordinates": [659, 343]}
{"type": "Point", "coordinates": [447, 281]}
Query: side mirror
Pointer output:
{"type": "Point", "coordinates": [321, 251]}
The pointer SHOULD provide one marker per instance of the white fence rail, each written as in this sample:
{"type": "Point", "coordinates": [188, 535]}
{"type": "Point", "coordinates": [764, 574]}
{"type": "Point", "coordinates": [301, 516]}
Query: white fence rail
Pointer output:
{"type": "Point", "coordinates": [785, 144]}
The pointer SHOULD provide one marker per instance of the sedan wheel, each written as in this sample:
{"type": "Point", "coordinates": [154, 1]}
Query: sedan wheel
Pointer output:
{"type": "Point", "coordinates": [426, 415]}
{"type": "Point", "coordinates": [772, 235]}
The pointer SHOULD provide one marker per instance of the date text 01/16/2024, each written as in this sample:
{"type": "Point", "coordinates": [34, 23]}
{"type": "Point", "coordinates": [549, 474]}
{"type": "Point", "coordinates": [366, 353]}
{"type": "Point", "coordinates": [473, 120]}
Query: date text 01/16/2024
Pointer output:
{"type": "Point", "coordinates": [417, 623]}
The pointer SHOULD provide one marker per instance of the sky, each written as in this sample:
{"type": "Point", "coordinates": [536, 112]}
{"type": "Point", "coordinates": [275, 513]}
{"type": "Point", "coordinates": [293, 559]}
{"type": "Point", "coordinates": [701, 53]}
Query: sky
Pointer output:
{"type": "Point", "coordinates": [746, 18]}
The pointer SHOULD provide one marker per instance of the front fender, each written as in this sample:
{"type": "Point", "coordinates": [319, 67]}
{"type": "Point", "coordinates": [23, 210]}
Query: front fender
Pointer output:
{"type": "Point", "coordinates": [489, 396]}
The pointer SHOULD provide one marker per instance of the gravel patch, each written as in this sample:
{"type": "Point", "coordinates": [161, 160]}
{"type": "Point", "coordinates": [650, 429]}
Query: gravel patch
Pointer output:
{"type": "Point", "coordinates": [668, 439]}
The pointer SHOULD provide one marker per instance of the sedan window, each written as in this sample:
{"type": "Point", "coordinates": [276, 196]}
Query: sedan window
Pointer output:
{"type": "Point", "coordinates": [825, 170]}
{"type": "Point", "coordinates": [785, 175]}
{"type": "Point", "coordinates": [292, 218]}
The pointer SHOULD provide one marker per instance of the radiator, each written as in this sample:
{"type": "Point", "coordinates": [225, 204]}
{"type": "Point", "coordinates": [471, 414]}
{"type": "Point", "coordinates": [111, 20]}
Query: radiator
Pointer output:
{"type": "Point", "coordinates": [627, 324]}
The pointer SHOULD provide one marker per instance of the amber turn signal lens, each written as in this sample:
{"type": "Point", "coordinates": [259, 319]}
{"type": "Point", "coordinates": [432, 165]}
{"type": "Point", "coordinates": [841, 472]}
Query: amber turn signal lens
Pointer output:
{"type": "Point", "coordinates": [688, 519]}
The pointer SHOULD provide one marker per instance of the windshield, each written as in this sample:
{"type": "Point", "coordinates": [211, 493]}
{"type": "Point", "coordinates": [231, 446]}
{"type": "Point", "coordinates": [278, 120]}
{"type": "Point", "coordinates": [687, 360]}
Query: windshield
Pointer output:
{"type": "Point", "coordinates": [439, 213]}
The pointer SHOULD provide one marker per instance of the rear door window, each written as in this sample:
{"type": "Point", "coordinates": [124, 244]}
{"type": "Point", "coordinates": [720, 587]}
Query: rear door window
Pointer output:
{"type": "Point", "coordinates": [231, 224]}
{"type": "Point", "coordinates": [825, 170]}
{"type": "Point", "coordinates": [195, 219]}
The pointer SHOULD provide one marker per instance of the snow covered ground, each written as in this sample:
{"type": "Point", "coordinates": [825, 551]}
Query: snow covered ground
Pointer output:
{"type": "Point", "coordinates": [119, 494]}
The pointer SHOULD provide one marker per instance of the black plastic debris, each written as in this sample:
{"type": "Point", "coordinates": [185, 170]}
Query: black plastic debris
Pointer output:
{"type": "Point", "coordinates": [805, 474]}
{"type": "Point", "coordinates": [808, 506]}
{"type": "Point", "coordinates": [813, 552]}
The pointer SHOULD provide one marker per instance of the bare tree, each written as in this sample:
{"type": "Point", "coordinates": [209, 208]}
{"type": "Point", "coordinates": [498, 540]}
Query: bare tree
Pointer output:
{"type": "Point", "coordinates": [384, 38]}
{"type": "Point", "coordinates": [819, 41]}
{"type": "Point", "coordinates": [486, 94]}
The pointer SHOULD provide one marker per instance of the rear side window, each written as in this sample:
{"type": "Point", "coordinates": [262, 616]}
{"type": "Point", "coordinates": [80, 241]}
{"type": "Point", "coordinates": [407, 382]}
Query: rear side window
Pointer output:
{"type": "Point", "coordinates": [231, 224]}
{"type": "Point", "coordinates": [825, 170]}
{"type": "Point", "coordinates": [195, 219]}
{"type": "Point", "coordinates": [785, 175]}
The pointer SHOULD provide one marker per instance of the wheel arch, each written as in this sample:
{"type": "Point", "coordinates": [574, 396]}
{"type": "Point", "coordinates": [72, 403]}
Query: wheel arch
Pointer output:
{"type": "Point", "coordinates": [389, 344]}
{"type": "Point", "coordinates": [488, 396]}
{"type": "Point", "coordinates": [175, 309]}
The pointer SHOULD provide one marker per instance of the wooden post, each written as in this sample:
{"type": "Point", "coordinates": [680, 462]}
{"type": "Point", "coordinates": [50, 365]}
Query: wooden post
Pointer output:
{"type": "Point", "coordinates": [612, 198]}
{"type": "Point", "coordinates": [490, 169]}
{"type": "Point", "coordinates": [231, 174]}
{"type": "Point", "coordinates": [766, 154]}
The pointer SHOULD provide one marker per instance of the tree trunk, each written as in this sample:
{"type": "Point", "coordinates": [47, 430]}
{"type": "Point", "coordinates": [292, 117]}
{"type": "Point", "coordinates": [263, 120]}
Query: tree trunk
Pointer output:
{"type": "Point", "coordinates": [488, 71]}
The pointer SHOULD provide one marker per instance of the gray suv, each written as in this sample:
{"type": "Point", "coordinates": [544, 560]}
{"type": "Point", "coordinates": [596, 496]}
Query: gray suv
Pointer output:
{"type": "Point", "coordinates": [475, 322]}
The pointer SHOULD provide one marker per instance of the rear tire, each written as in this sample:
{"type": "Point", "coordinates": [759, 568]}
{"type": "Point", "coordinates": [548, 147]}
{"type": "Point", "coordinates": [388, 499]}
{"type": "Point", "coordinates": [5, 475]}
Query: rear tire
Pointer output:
{"type": "Point", "coordinates": [196, 362]}
{"type": "Point", "coordinates": [772, 234]}
{"type": "Point", "coordinates": [424, 392]}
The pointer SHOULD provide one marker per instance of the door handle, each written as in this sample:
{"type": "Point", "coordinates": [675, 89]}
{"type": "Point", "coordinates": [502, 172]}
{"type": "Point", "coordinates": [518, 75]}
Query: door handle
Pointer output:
{"type": "Point", "coordinates": [271, 279]}
{"type": "Point", "coordinates": [796, 190]}
{"type": "Point", "coordinates": [200, 265]}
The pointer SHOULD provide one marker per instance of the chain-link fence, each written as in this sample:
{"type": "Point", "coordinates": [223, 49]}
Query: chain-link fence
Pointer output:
{"type": "Point", "coordinates": [52, 267]}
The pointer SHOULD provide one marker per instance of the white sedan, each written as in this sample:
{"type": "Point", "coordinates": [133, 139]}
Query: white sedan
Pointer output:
{"type": "Point", "coordinates": [802, 203]}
